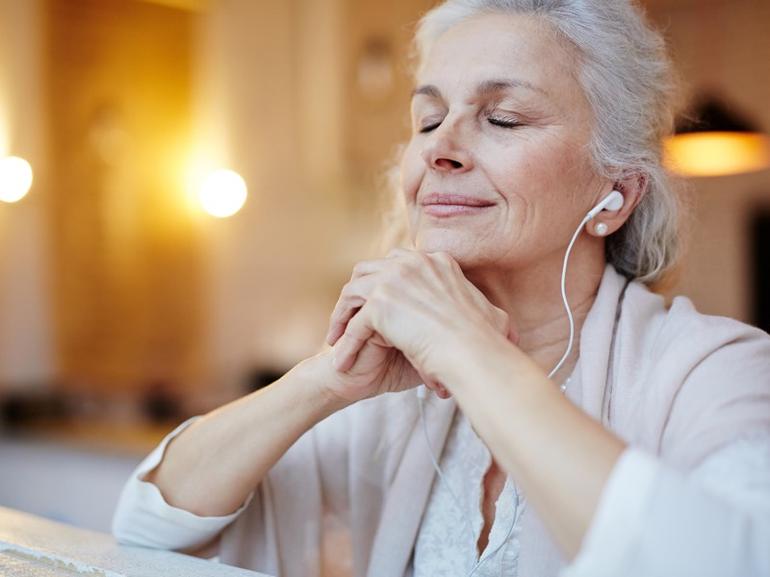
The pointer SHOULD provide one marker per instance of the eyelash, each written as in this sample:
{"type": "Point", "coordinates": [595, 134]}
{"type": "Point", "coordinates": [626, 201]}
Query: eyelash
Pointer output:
{"type": "Point", "coordinates": [504, 122]}
{"type": "Point", "coordinates": [501, 122]}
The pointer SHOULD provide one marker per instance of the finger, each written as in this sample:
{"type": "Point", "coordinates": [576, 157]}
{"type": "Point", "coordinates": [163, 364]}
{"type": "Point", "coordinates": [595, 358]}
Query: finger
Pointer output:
{"type": "Point", "coordinates": [357, 290]}
{"type": "Point", "coordinates": [357, 332]}
{"type": "Point", "coordinates": [513, 334]}
{"type": "Point", "coordinates": [341, 317]}
{"type": "Point", "coordinates": [366, 267]}
{"type": "Point", "coordinates": [399, 252]}
{"type": "Point", "coordinates": [432, 386]}
{"type": "Point", "coordinates": [352, 298]}
{"type": "Point", "coordinates": [444, 260]}
{"type": "Point", "coordinates": [443, 393]}
{"type": "Point", "coordinates": [438, 389]}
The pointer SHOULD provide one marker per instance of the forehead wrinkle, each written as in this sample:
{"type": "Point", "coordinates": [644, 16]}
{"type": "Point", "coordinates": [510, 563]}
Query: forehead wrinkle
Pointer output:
{"type": "Point", "coordinates": [483, 89]}
{"type": "Point", "coordinates": [497, 85]}
{"type": "Point", "coordinates": [427, 90]}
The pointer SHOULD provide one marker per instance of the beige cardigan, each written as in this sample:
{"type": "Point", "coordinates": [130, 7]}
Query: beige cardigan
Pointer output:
{"type": "Point", "coordinates": [672, 382]}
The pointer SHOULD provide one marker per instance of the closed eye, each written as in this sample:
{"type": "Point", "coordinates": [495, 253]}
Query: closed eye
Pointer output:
{"type": "Point", "coordinates": [501, 122]}
{"type": "Point", "coordinates": [504, 122]}
{"type": "Point", "coordinates": [429, 127]}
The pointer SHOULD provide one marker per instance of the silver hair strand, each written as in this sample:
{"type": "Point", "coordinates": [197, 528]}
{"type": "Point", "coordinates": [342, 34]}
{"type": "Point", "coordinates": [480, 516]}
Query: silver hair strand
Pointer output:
{"type": "Point", "coordinates": [628, 80]}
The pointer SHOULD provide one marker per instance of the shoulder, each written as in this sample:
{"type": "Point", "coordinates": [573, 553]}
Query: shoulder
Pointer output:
{"type": "Point", "coordinates": [724, 367]}
{"type": "Point", "coordinates": [701, 381]}
{"type": "Point", "coordinates": [718, 372]}
{"type": "Point", "coordinates": [715, 343]}
{"type": "Point", "coordinates": [689, 338]}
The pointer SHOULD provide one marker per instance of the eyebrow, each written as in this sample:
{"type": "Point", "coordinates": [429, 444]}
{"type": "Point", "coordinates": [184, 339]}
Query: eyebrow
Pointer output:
{"type": "Point", "coordinates": [483, 89]}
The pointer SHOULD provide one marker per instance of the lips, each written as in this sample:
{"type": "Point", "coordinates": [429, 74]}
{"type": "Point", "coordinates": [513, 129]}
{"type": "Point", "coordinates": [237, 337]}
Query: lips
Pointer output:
{"type": "Point", "coordinates": [443, 199]}
{"type": "Point", "coordinates": [442, 205]}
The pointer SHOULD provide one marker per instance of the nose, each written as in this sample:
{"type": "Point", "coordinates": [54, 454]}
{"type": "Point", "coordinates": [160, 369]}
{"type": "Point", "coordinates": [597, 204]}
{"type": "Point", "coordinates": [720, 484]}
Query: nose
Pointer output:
{"type": "Point", "coordinates": [445, 150]}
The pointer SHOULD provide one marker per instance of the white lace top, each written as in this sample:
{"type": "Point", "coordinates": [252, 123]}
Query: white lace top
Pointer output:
{"type": "Point", "coordinates": [451, 526]}
{"type": "Point", "coordinates": [738, 476]}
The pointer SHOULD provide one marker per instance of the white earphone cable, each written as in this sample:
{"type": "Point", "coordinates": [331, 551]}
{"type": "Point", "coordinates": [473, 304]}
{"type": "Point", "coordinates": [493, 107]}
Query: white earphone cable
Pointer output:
{"type": "Point", "coordinates": [436, 466]}
{"type": "Point", "coordinates": [421, 395]}
{"type": "Point", "coordinates": [564, 297]}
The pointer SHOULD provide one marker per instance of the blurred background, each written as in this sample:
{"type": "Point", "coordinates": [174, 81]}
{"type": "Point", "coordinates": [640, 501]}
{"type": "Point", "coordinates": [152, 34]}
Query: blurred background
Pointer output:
{"type": "Point", "coordinates": [186, 184]}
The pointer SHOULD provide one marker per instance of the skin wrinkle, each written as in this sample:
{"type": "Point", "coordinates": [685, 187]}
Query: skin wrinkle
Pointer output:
{"type": "Point", "coordinates": [530, 213]}
{"type": "Point", "coordinates": [415, 326]}
{"type": "Point", "coordinates": [536, 180]}
{"type": "Point", "coordinates": [540, 199]}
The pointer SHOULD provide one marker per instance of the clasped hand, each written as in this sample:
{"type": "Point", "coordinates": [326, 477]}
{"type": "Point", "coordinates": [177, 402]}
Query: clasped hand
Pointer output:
{"type": "Point", "coordinates": [401, 319]}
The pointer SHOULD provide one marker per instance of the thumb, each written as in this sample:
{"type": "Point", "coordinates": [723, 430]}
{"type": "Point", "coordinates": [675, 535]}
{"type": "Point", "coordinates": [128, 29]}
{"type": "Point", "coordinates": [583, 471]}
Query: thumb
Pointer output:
{"type": "Point", "coordinates": [513, 335]}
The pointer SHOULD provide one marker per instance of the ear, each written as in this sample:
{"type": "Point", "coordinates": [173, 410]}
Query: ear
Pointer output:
{"type": "Point", "coordinates": [633, 188]}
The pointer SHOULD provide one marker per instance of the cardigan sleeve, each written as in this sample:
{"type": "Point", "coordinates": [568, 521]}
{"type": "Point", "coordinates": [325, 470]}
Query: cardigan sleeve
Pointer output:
{"type": "Point", "coordinates": [723, 370]}
{"type": "Point", "coordinates": [655, 521]}
{"type": "Point", "coordinates": [143, 517]}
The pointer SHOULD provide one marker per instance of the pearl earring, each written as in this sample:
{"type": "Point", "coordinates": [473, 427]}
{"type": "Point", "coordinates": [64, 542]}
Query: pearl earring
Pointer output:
{"type": "Point", "coordinates": [601, 229]}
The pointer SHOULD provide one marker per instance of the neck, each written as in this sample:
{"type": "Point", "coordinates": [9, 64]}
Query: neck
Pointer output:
{"type": "Point", "coordinates": [532, 298]}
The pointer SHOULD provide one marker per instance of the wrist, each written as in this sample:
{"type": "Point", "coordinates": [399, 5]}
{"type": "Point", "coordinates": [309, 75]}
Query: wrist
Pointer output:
{"type": "Point", "coordinates": [483, 357]}
{"type": "Point", "coordinates": [315, 374]}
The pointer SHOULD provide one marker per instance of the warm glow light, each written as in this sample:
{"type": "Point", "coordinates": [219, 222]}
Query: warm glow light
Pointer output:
{"type": "Point", "coordinates": [3, 125]}
{"type": "Point", "coordinates": [717, 153]}
{"type": "Point", "coordinates": [15, 178]}
{"type": "Point", "coordinates": [222, 193]}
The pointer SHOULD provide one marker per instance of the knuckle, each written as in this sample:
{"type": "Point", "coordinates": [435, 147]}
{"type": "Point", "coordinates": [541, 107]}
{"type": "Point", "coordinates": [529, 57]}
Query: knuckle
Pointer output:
{"type": "Point", "coordinates": [403, 269]}
{"type": "Point", "coordinates": [345, 293]}
{"type": "Point", "coordinates": [376, 296]}
{"type": "Point", "coordinates": [444, 261]}
{"type": "Point", "coordinates": [360, 268]}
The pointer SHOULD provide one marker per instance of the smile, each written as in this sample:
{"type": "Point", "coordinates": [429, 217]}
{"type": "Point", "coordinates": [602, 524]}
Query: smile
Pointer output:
{"type": "Point", "coordinates": [445, 205]}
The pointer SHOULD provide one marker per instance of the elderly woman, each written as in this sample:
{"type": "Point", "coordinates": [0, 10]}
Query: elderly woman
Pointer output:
{"type": "Point", "coordinates": [610, 436]}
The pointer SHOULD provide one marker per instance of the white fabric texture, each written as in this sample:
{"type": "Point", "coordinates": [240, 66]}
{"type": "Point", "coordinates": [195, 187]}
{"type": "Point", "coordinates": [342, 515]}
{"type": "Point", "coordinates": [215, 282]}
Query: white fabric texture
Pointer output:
{"type": "Point", "coordinates": [739, 474]}
{"type": "Point", "coordinates": [676, 384]}
{"type": "Point", "coordinates": [654, 521]}
{"type": "Point", "coordinates": [729, 490]}
{"type": "Point", "coordinates": [143, 517]}
{"type": "Point", "coordinates": [450, 530]}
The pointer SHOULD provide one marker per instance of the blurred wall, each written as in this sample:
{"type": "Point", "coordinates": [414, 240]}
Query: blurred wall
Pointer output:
{"type": "Point", "coordinates": [307, 99]}
{"type": "Point", "coordinates": [281, 98]}
{"type": "Point", "coordinates": [722, 47]}
{"type": "Point", "coordinates": [26, 341]}
{"type": "Point", "coordinates": [316, 221]}
{"type": "Point", "coordinates": [125, 248]}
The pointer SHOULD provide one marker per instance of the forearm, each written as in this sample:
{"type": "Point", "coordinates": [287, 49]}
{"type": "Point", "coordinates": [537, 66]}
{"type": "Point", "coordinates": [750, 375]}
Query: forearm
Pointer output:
{"type": "Point", "coordinates": [559, 456]}
{"type": "Point", "coordinates": [213, 465]}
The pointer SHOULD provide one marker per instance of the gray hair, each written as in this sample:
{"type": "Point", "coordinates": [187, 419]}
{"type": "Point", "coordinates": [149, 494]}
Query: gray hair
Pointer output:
{"type": "Point", "coordinates": [628, 80]}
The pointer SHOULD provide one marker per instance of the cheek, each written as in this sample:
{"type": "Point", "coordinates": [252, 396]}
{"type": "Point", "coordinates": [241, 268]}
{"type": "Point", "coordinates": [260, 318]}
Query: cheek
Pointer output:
{"type": "Point", "coordinates": [544, 173]}
{"type": "Point", "coordinates": [412, 169]}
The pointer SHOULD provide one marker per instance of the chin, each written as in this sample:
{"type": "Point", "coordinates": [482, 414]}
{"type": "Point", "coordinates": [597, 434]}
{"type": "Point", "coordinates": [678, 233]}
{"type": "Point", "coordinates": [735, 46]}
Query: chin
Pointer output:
{"type": "Point", "coordinates": [464, 247]}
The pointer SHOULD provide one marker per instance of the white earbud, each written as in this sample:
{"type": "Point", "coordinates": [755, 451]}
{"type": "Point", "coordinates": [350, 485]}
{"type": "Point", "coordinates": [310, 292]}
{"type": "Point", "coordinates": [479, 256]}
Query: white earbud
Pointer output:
{"type": "Point", "coordinates": [613, 201]}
